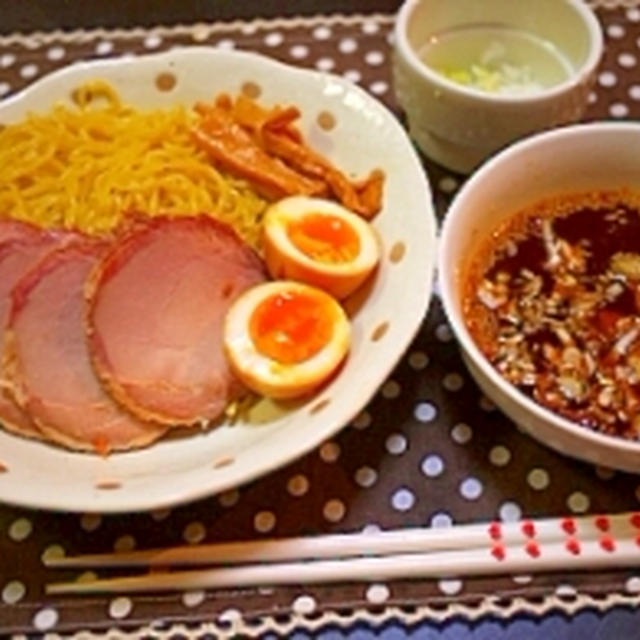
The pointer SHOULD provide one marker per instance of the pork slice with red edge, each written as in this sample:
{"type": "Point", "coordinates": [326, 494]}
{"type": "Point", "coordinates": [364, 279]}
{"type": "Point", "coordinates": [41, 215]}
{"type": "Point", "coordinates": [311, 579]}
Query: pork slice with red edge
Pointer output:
{"type": "Point", "coordinates": [21, 247]}
{"type": "Point", "coordinates": [157, 303]}
{"type": "Point", "coordinates": [11, 229]}
{"type": "Point", "coordinates": [47, 360]}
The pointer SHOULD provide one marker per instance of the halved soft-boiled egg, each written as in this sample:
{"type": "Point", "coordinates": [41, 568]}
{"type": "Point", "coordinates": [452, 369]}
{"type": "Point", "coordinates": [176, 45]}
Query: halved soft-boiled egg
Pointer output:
{"type": "Point", "coordinates": [284, 338]}
{"type": "Point", "coordinates": [319, 242]}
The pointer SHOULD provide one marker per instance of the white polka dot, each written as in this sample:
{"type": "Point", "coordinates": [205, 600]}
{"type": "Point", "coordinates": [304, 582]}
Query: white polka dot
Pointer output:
{"type": "Point", "coordinates": [45, 619]}
{"type": "Point", "coordinates": [120, 607]}
{"type": "Point", "coordinates": [578, 502]}
{"type": "Point", "coordinates": [124, 543]}
{"type": "Point", "coordinates": [510, 512]}
{"type": "Point", "coordinates": [374, 58]}
{"type": "Point", "coordinates": [604, 473]}
{"type": "Point", "coordinates": [371, 528]}
{"type": "Point", "coordinates": [432, 466]}
{"type": "Point", "coordinates": [152, 41]}
{"type": "Point", "coordinates": [87, 576]}
{"type": "Point", "coordinates": [334, 510]}
{"type": "Point", "coordinates": [607, 79]}
{"type": "Point", "coordinates": [391, 389]}
{"type": "Point", "coordinates": [632, 585]}
{"type": "Point", "coordinates": [377, 593]}
{"type": "Point", "coordinates": [104, 47]}
{"type": "Point", "coordinates": [538, 479]}
{"type": "Point", "coordinates": [7, 59]}
{"type": "Point", "coordinates": [627, 60]}
{"type": "Point", "coordinates": [264, 521]}
{"type": "Point", "coordinates": [592, 98]}
{"type": "Point", "coordinates": [230, 615]}
{"type": "Point", "coordinates": [425, 412]}
{"type": "Point", "coordinates": [633, 14]}
{"type": "Point", "coordinates": [522, 579]}
{"type": "Point", "coordinates": [347, 45]}
{"type": "Point", "coordinates": [453, 382]}
{"type": "Point", "coordinates": [499, 456]}
{"type": "Point", "coordinates": [471, 488]}
{"type": "Point", "coordinates": [20, 529]}
{"type": "Point", "coordinates": [487, 405]}
{"type": "Point", "coordinates": [634, 92]}
{"type": "Point", "coordinates": [4, 88]}
{"type": "Point", "coordinates": [194, 532]}
{"type": "Point", "coordinates": [448, 184]}
{"type": "Point", "coordinates": [299, 51]}
{"type": "Point", "coordinates": [615, 31]}
{"type": "Point", "coordinates": [226, 44]}
{"type": "Point", "coordinates": [353, 75]}
{"type": "Point", "coordinates": [274, 39]}
{"type": "Point", "coordinates": [441, 520]}
{"type": "Point", "coordinates": [229, 498]}
{"type": "Point", "coordinates": [566, 591]}
{"type": "Point", "coordinates": [450, 587]}
{"type": "Point", "coordinates": [362, 420]}
{"type": "Point", "coordinates": [13, 592]}
{"type": "Point", "coordinates": [160, 514]}
{"type": "Point", "coordinates": [403, 499]}
{"type": "Point", "coordinates": [329, 452]}
{"type": "Point", "coordinates": [618, 110]}
{"type": "Point", "coordinates": [56, 53]}
{"type": "Point", "coordinates": [461, 433]}
{"type": "Point", "coordinates": [192, 599]}
{"type": "Point", "coordinates": [418, 360]}
{"type": "Point", "coordinates": [370, 27]}
{"type": "Point", "coordinates": [298, 485]}
{"type": "Point", "coordinates": [366, 477]}
{"type": "Point", "coordinates": [29, 70]}
{"type": "Point", "coordinates": [379, 87]}
{"type": "Point", "coordinates": [396, 444]}
{"type": "Point", "coordinates": [304, 605]}
{"type": "Point", "coordinates": [90, 521]}
{"type": "Point", "coordinates": [321, 33]}
{"type": "Point", "coordinates": [325, 64]}
{"type": "Point", "coordinates": [51, 552]}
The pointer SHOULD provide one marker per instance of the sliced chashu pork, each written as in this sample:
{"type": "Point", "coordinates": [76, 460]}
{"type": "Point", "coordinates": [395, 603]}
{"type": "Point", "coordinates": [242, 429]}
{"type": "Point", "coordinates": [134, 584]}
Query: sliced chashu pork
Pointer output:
{"type": "Point", "coordinates": [156, 308]}
{"type": "Point", "coordinates": [11, 229]}
{"type": "Point", "coordinates": [47, 360]}
{"type": "Point", "coordinates": [21, 247]}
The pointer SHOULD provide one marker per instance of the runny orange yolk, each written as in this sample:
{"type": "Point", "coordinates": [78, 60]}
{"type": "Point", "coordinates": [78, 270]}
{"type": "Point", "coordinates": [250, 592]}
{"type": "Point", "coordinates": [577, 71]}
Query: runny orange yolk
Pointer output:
{"type": "Point", "coordinates": [291, 327]}
{"type": "Point", "coordinates": [324, 237]}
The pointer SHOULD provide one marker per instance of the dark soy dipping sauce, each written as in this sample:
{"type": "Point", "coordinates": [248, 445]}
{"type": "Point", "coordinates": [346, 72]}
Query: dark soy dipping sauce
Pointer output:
{"type": "Point", "coordinates": [555, 306]}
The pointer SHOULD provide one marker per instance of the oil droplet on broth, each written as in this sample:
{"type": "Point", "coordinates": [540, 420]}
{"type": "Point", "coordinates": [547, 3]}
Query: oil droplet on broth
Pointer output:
{"type": "Point", "coordinates": [496, 59]}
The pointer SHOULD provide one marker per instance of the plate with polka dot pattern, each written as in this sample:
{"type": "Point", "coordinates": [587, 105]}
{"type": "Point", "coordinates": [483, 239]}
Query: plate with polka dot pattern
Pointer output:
{"type": "Point", "coordinates": [355, 131]}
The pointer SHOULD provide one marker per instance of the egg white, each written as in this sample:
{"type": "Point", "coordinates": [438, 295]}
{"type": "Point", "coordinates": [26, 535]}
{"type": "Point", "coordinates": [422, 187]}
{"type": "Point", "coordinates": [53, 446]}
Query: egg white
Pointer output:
{"type": "Point", "coordinates": [285, 260]}
{"type": "Point", "coordinates": [267, 376]}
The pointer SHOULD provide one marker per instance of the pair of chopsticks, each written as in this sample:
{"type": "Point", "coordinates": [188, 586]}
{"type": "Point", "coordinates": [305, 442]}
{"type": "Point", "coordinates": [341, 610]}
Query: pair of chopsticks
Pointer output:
{"type": "Point", "coordinates": [527, 546]}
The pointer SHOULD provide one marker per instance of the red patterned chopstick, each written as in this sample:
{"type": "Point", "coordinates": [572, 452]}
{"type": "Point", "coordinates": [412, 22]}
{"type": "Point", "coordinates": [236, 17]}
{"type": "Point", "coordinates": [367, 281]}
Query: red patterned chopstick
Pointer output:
{"type": "Point", "coordinates": [566, 544]}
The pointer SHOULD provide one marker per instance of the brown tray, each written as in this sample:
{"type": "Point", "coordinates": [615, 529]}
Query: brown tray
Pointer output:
{"type": "Point", "coordinates": [428, 450]}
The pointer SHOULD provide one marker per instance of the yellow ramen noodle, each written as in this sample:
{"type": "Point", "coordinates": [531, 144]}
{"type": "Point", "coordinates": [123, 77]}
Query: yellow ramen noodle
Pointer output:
{"type": "Point", "coordinates": [87, 165]}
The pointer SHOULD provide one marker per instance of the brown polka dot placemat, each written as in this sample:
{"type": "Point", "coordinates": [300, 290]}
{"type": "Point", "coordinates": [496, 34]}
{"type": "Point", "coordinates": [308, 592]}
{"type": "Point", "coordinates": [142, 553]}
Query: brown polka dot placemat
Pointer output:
{"type": "Point", "coordinates": [428, 450]}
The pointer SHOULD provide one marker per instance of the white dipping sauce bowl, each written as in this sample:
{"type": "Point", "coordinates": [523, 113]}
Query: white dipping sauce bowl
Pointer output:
{"type": "Point", "coordinates": [459, 126]}
{"type": "Point", "coordinates": [571, 159]}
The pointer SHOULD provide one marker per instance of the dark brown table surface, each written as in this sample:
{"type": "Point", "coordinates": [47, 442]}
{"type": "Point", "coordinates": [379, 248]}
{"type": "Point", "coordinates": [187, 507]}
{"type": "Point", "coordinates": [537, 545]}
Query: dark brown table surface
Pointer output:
{"type": "Point", "coordinates": [47, 15]}
{"type": "Point", "coordinates": [427, 450]}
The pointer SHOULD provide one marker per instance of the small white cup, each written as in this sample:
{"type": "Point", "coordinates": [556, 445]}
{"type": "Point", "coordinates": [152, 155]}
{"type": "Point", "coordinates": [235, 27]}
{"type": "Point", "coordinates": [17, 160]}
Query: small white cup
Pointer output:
{"type": "Point", "coordinates": [459, 126]}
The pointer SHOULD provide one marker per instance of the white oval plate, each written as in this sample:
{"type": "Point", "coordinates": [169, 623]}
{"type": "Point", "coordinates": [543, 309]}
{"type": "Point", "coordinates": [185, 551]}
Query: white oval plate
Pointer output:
{"type": "Point", "coordinates": [179, 470]}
